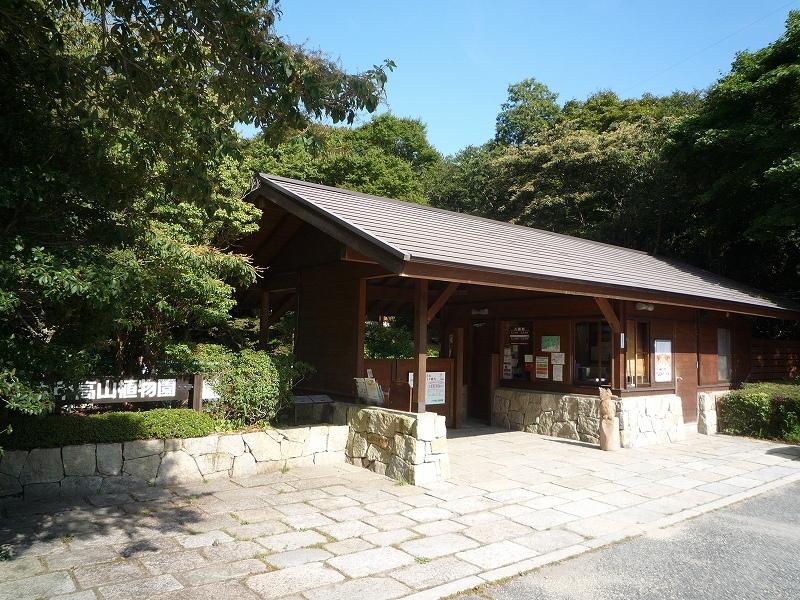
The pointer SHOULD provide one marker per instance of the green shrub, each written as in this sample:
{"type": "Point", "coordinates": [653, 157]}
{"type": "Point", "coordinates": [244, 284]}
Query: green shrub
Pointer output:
{"type": "Point", "coordinates": [65, 430]}
{"type": "Point", "coordinates": [253, 386]}
{"type": "Point", "coordinates": [762, 410]}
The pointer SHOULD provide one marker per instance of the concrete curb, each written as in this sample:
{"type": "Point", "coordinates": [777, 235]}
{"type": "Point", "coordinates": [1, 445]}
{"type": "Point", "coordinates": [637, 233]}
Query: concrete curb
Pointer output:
{"type": "Point", "coordinates": [515, 569]}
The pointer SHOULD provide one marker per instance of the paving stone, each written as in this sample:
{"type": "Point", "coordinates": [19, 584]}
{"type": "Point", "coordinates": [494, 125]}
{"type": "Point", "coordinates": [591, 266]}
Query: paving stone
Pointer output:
{"type": "Point", "coordinates": [19, 568]}
{"type": "Point", "coordinates": [254, 530]}
{"type": "Point", "coordinates": [544, 519]}
{"type": "Point", "coordinates": [513, 495]}
{"type": "Point", "coordinates": [387, 507]}
{"type": "Point", "coordinates": [204, 539]}
{"type": "Point", "coordinates": [232, 551]}
{"type": "Point", "coordinates": [351, 513]}
{"type": "Point", "coordinates": [438, 527]}
{"type": "Point", "coordinates": [294, 558]}
{"type": "Point", "coordinates": [222, 571]}
{"type": "Point", "coordinates": [470, 504]}
{"type": "Point", "coordinates": [204, 524]}
{"type": "Point", "coordinates": [374, 588]}
{"type": "Point", "coordinates": [496, 555]}
{"type": "Point", "coordinates": [347, 546]}
{"type": "Point", "coordinates": [585, 508]}
{"type": "Point", "coordinates": [298, 508]}
{"type": "Point", "coordinates": [257, 515]}
{"type": "Point", "coordinates": [545, 502]}
{"type": "Point", "coordinates": [543, 542]}
{"type": "Point", "coordinates": [391, 537]}
{"type": "Point", "coordinates": [370, 562]}
{"type": "Point", "coordinates": [87, 595]}
{"type": "Point", "coordinates": [102, 573]}
{"type": "Point", "coordinates": [428, 513]}
{"type": "Point", "coordinates": [333, 503]}
{"type": "Point", "coordinates": [435, 572]}
{"type": "Point", "coordinates": [388, 522]}
{"type": "Point", "coordinates": [291, 540]}
{"type": "Point", "coordinates": [438, 545]}
{"type": "Point", "coordinates": [67, 559]}
{"type": "Point", "coordinates": [307, 521]}
{"type": "Point", "coordinates": [172, 562]}
{"type": "Point", "coordinates": [213, 591]}
{"type": "Point", "coordinates": [40, 586]}
{"type": "Point", "coordinates": [496, 531]}
{"type": "Point", "coordinates": [293, 580]}
{"type": "Point", "coordinates": [141, 588]}
{"type": "Point", "coordinates": [347, 529]}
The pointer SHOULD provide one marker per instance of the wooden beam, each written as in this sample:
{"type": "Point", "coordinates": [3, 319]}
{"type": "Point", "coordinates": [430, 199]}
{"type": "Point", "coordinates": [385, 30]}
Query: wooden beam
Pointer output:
{"type": "Point", "coordinates": [361, 317]}
{"type": "Point", "coordinates": [281, 310]}
{"type": "Point", "coordinates": [608, 313]}
{"type": "Point", "coordinates": [458, 377]}
{"type": "Point", "coordinates": [420, 345]}
{"type": "Point", "coordinates": [276, 240]}
{"type": "Point", "coordinates": [263, 322]}
{"type": "Point", "coordinates": [390, 292]}
{"type": "Point", "coordinates": [442, 300]}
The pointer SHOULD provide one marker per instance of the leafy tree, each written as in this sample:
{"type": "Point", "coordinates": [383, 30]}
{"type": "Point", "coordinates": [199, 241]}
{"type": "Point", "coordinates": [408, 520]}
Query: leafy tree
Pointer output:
{"type": "Point", "coordinates": [120, 171]}
{"type": "Point", "coordinates": [531, 109]}
{"type": "Point", "coordinates": [600, 111]}
{"type": "Point", "coordinates": [740, 154]}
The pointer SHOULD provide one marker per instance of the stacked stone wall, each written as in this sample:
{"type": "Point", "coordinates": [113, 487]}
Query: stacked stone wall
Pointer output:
{"type": "Point", "coordinates": [410, 447]}
{"type": "Point", "coordinates": [91, 469]}
{"type": "Point", "coordinates": [644, 420]}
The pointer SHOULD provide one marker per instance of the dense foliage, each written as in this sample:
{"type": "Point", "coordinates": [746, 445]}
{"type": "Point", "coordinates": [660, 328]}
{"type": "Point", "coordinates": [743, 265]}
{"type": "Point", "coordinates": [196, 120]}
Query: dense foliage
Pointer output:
{"type": "Point", "coordinates": [51, 431]}
{"type": "Point", "coordinates": [769, 410]}
{"type": "Point", "coordinates": [120, 172]}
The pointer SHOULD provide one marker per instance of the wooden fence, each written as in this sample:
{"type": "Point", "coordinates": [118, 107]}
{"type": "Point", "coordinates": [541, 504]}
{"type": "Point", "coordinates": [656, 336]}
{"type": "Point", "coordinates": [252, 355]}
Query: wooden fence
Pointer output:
{"type": "Point", "coordinates": [774, 360]}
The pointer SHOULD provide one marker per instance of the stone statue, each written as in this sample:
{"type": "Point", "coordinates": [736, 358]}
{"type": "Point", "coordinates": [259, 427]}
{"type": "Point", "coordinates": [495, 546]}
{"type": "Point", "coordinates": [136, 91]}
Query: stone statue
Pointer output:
{"type": "Point", "coordinates": [609, 423]}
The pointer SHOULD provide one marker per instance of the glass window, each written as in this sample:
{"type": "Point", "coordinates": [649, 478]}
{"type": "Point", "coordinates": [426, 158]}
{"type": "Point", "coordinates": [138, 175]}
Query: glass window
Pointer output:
{"type": "Point", "coordinates": [518, 352]}
{"type": "Point", "coordinates": [637, 353]}
{"type": "Point", "coordinates": [723, 354]}
{"type": "Point", "coordinates": [592, 353]}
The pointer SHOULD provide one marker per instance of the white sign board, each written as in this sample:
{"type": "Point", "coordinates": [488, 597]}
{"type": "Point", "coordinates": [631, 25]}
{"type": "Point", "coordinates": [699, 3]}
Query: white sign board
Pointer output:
{"type": "Point", "coordinates": [663, 360]}
{"type": "Point", "coordinates": [434, 386]}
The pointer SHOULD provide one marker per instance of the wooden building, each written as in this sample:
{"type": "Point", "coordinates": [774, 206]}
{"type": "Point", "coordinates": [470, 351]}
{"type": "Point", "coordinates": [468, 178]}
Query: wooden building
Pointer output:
{"type": "Point", "coordinates": [515, 308]}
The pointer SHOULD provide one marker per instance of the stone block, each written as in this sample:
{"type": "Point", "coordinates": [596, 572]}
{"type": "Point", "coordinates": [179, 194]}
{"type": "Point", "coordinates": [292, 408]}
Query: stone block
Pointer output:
{"type": "Point", "coordinates": [550, 402]}
{"type": "Point", "coordinates": [377, 453]}
{"type": "Point", "coordinates": [263, 447]}
{"type": "Point", "coordinates": [441, 426]}
{"type": "Point", "coordinates": [173, 445]}
{"type": "Point", "coordinates": [398, 469]}
{"type": "Point", "coordinates": [213, 463]}
{"type": "Point", "coordinates": [177, 467]}
{"type": "Point", "coordinates": [300, 461]}
{"type": "Point", "coordinates": [358, 448]}
{"type": "Point", "coordinates": [200, 445]}
{"type": "Point", "coordinates": [295, 434]}
{"type": "Point", "coordinates": [39, 491]}
{"type": "Point", "coordinates": [81, 486]}
{"type": "Point", "coordinates": [439, 445]}
{"type": "Point", "coordinates": [144, 468]}
{"type": "Point", "coordinates": [79, 460]}
{"type": "Point", "coordinates": [291, 449]}
{"type": "Point", "coordinates": [109, 459]}
{"type": "Point", "coordinates": [339, 414]}
{"type": "Point", "coordinates": [9, 485]}
{"type": "Point", "coordinates": [377, 439]}
{"type": "Point", "coordinates": [317, 440]}
{"type": "Point", "coordinates": [141, 448]}
{"type": "Point", "coordinates": [43, 465]}
{"type": "Point", "coordinates": [232, 444]}
{"type": "Point", "coordinates": [567, 430]}
{"type": "Point", "coordinates": [423, 473]}
{"type": "Point", "coordinates": [244, 465]}
{"type": "Point", "coordinates": [410, 449]}
{"type": "Point", "coordinates": [515, 420]}
{"type": "Point", "coordinates": [571, 408]}
{"type": "Point", "coordinates": [12, 461]}
{"type": "Point", "coordinates": [378, 467]}
{"type": "Point", "coordinates": [337, 438]}
{"type": "Point", "coordinates": [425, 429]}
{"type": "Point", "coordinates": [329, 458]}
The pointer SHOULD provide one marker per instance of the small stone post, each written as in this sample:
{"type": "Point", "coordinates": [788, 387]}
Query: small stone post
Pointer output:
{"type": "Point", "coordinates": [609, 423]}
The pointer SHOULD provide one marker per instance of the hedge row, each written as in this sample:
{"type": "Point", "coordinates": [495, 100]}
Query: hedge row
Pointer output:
{"type": "Point", "coordinates": [768, 410]}
{"type": "Point", "coordinates": [65, 430]}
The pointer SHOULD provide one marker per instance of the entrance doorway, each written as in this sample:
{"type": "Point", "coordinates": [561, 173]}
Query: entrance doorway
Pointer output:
{"type": "Point", "coordinates": [686, 368]}
{"type": "Point", "coordinates": [480, 378]}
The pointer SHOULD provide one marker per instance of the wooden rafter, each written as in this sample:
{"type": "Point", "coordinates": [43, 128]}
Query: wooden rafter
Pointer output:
{"type": "Point", "coordinates": [608, 313]}
{"type": "Point", "coordinates": [441, 300]}
{"type": "Point", "coordinates": [281, 310]}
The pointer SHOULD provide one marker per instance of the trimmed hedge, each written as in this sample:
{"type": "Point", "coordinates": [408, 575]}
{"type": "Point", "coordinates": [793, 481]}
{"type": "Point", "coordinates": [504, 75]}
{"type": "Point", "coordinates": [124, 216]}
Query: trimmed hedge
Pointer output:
{"type": "Point", "coordinates": [51, 431]}
{"type": "Point", "coordinates": [768, 410]}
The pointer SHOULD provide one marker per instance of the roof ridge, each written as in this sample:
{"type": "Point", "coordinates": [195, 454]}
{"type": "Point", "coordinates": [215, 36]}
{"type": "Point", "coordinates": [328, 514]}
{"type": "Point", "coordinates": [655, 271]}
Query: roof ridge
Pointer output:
{"type": "Point", "coordinates": [451, 212]}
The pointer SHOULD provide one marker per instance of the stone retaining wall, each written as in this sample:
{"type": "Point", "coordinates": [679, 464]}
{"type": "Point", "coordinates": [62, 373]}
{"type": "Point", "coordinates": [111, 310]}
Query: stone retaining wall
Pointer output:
{"type": "Point", "coordinates": [707, 412]}
{"type": "Point", "coordinates": [409, 447]}
{"type": "Point", "coordinates": [104, 468]}
{"type": "Point", "coordinates": [644, 420]}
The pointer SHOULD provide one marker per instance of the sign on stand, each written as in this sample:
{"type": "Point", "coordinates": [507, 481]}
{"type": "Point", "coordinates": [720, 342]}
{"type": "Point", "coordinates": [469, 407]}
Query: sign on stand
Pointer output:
{"type": "Point", "coordinates": [434, 386]}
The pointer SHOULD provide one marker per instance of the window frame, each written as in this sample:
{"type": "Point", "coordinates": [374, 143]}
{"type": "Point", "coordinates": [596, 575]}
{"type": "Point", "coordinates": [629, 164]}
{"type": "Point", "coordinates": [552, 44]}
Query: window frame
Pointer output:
{"type": "Point", "coordinates": [648, 350]}
{"type": "Point", "coordinates": [601, 324]}
{"type": "Point", "coordinates": [728, 356]}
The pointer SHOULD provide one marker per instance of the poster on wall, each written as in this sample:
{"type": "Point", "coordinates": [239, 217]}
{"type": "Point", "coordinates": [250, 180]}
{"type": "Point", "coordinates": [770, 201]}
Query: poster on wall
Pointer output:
{"type": "Point", "coordinates": [434, 386]}
{"type": "Point", "coordinates": [663, 360]}
{"type": "Point", "coordinates": [551, 343]}
{"type": "Point", "coordinates": [558, 372]}
{"type": "Point", "coordinates": [519, 335]}
{"type": "Point", "coordinates": [557, 358]}
{"type": "Point", "coordinates": [542, 367]}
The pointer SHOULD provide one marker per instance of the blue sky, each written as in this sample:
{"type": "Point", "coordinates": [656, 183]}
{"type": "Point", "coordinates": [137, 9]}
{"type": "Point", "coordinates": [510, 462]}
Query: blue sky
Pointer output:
{"type": "Point", "coordinates": [456, 59]}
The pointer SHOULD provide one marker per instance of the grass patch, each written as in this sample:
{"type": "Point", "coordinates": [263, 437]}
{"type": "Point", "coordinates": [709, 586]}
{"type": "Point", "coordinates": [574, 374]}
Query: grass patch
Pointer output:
{"type": "Point", "coordinates": [422, 560]}
{"type": "Point", "coordinates": [51, 431]}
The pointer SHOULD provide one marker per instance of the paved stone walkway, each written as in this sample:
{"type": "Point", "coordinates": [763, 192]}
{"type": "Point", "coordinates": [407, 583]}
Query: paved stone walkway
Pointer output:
{"type": "Point", "coordinates": [516, 501]}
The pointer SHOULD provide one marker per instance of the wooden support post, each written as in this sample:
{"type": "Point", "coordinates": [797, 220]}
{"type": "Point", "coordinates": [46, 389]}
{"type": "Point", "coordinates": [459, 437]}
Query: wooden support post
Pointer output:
{"type": "Point", "coordinates": [609, 314]}
{"type": "Point", "coordinates": [263, 329]}
{"type": "Point", "coordinates": [458, 377]}
{"type": "Point", "coordinates": [197, 393]}
{"type": "Point", "coordinates": [361, 317]}
{"type": "Point", "coordinates": [420, 344]}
